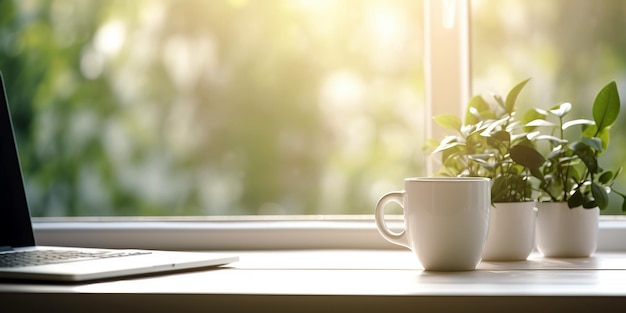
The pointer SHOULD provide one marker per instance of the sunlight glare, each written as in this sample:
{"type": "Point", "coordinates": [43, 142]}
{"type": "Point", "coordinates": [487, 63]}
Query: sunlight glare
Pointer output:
{"type": "Point", "coordinates": [238, 3]}
{"type": "Point", "coordinates": [386, 25]}
{"type": "Point", "coordinates": [342, 90]}
{"type": "Point", "coordinates": [110, 38]}
{"type": "Point", "coordinates": [314, 4]}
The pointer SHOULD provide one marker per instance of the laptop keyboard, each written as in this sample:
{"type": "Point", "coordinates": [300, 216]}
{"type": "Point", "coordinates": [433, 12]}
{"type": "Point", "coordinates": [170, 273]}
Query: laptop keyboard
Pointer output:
{"type": "Point", "coordinates": [43, 257]}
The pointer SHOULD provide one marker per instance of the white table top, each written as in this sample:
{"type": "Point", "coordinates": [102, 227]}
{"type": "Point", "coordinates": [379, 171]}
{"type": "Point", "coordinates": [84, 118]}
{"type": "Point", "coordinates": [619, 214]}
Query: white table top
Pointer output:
{"type": "Point", "coordinates": [371, 275]}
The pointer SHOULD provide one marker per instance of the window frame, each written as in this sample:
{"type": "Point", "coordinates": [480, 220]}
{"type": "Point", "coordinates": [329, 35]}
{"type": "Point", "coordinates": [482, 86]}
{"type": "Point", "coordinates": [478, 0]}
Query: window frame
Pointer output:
{"type": "Point", "coordinates": [305, 232]}
{"type": "Point", "coordinates": [248, 233]}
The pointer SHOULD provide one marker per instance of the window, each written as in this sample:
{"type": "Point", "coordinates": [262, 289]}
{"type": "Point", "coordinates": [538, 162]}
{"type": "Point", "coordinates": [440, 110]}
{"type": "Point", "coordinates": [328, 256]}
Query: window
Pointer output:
{"type": "Point", "coordinates": [238, 107]}
{"type": "Point", "coordinates": [225, 107]}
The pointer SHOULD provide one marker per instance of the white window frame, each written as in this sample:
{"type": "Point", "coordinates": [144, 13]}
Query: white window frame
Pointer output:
{"type": "Point", "coordinates": [447, 90]}
{"type": "Point", "coordinates": [276, 233]}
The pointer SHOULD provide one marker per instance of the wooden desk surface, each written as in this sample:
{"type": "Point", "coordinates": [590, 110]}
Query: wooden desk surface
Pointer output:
{"type": "Point", "coordinates": [340, 280]}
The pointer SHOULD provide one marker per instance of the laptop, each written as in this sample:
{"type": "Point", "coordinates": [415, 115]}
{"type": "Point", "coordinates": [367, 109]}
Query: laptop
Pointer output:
{"type": "Point", "coordinates": [21, 258]}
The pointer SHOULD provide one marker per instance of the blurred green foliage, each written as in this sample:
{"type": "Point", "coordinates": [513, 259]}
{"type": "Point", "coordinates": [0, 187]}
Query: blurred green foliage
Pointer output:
{"type": "Point", "coordinates": [234, 107]}
{"type": "Point", "coordinates": [213, 107]}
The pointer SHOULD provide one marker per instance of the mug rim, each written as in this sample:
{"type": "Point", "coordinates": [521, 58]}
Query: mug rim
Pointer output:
{"type": "Point", "coordinates": [446, 179]}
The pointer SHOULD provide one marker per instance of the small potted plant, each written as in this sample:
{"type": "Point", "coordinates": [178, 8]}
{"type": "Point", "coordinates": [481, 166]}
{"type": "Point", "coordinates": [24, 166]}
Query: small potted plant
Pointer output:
{"type": "Point", "coordinates": [573, 186]}
{"type": "Point", "coordinates": [481, 147]}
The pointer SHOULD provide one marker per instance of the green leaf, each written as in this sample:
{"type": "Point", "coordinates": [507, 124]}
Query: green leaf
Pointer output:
{"type": "Point", "coordinates": [581, 121]}
{"type": "Point", "coordinates": [530, 116]}
{"type": "Point", "coordinates": [446, 147]}
{"type": "Point", "coordinates": [574, 174]}
{"type": "Point", "coordinates": [489, 166]}
{"type": "Point", "coordinates": [539, 122]}
{"type": "Point", "coordinates": [502, 135]}
{"type": "Point", "coordinates": [475, 108]}
{"type": "Point", "coordinates": [452, 167]}
{"type": "Point", "coordinates": [589, 203]}
{"type": "Point", "coordinates": [586, 154]}
{"type": "Point", "coordinates": [590, 130]}
{"type": "Point", "coordinates": [555, 153]}
{"type": "Point", "coordinates": [511, 98]}
{"type": "Point", "coordinates": [536, 172]}
{"type": "Point", "coordinates": [448, 121]}
{"type": "Point", "coordinates": [606, 177]}
{"type": "Point", "coordinates": [606, 106]}
{"type": "Point", "coordinates": [498, 99]}
{"type": "Point", "coordinates": [623, 199]}
{"type": "Point", "coordinates": [553, 139]}
{"type": "Point", "coordinates": [492, 125]}
{"type": "Point", "coordinates": [561, 110]}
{"type": "Point", "coordinates": [603, 135]}
{"type": "Point", "coordinates": [481, 156]}
{"type": "Point", "coordinates": [600, 195]}
{"type": "Point", "coordinates": [498, 188]}
{"type": "Point", "coordinates": [449, 139]}
{"type": "Point", "coordinates": [527, 156]}
{"type": "Point", "coordinates": [566, 161]}
{"type": "Point", "coordinates": [525, 137]}
{"type": "Point", "coordinates": [523, 140]}
{"type": "Point", "coordinates": [595, 143]}
{"type": "Point", "coordinates": [576, 200]}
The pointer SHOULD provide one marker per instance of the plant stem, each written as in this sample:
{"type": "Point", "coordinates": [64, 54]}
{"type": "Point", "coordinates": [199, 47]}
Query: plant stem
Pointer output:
{"type": "Point", "coordinates": [563, 177]}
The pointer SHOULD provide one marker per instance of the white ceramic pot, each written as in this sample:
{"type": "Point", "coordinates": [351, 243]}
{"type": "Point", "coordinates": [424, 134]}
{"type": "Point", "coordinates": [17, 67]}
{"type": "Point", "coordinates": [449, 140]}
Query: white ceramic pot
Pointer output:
{"type": "Point", "coordinates": [511, 234]}
{"type": "Point", "coordinates": [566, 233]}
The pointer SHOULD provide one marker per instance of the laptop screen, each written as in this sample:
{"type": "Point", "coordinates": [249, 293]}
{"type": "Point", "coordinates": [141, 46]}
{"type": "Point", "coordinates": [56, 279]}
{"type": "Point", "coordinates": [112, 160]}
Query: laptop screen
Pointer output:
{"type": "Point", "coordinates": [15, 224]}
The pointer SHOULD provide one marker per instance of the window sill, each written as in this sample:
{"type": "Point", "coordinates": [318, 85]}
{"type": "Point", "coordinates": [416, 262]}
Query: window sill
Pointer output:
{"type": "Point", "coordinates": [246, 233]}
{"type": "Point", "coordinates": [214, 233]}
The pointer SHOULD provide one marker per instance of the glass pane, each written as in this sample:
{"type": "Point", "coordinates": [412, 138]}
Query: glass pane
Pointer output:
{"type": "Point", "coordinates": [229, 107]}
{"type": "Point", "coordinates": [570, 48]}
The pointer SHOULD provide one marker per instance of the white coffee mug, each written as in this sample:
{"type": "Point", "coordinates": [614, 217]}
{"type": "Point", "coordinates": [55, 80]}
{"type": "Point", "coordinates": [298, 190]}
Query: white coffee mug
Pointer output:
{"type": "Point", "coordinates": [446, 220]}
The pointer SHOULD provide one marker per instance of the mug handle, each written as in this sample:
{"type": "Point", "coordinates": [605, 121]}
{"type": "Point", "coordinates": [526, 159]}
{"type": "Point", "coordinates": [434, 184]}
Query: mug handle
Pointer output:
{"type": "Point", "coordinates": [391, 236]}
